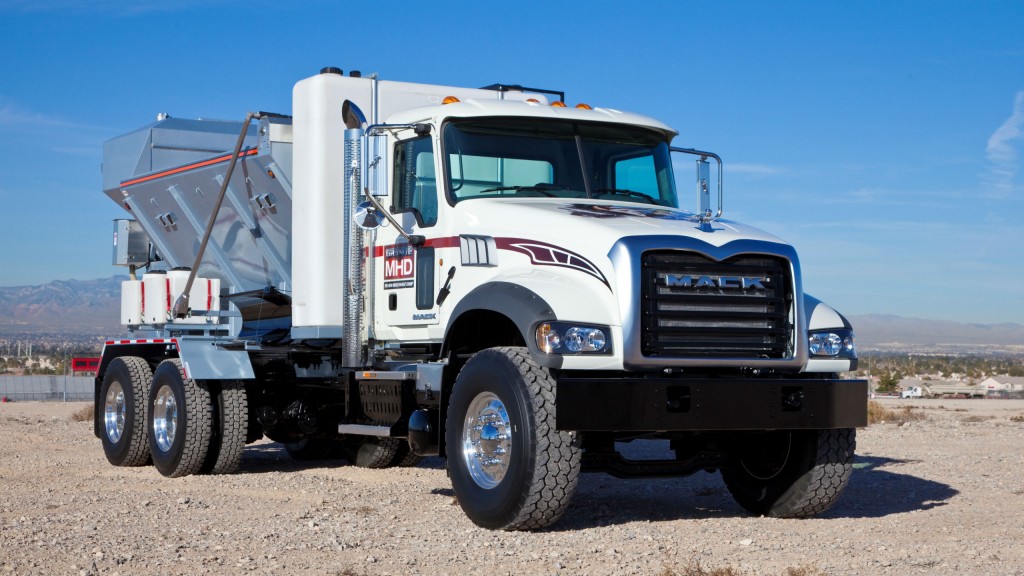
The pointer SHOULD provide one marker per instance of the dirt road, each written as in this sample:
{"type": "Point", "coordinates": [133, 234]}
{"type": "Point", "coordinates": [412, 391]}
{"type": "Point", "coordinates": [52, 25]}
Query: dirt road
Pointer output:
{"type": "Point", "coordinates": [939, 496]}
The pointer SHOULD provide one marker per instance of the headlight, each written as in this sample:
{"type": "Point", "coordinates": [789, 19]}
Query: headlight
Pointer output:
{"type": "Point", "coordinates": [571, 338]}
{"type": "Point", "coordinates": [835, 343]}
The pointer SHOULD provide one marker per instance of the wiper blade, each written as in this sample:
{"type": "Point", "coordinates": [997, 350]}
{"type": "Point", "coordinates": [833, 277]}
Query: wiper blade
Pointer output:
{"type": "Point", "coordinates": [539, 189]}
{"type": "Point", "coordinates": [625, 192]}
{"type": "Point", "coordinates": [500, 189]}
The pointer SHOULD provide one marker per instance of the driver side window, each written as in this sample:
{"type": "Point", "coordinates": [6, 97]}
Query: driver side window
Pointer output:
{"type": "Point", "coordinates": [415, 188]}
{"type": "Point", "coordinates": [637, 174]}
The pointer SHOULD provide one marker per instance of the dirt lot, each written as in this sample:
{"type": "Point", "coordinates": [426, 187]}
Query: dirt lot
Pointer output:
{"type": "Point", "coordinates": [942, 495]}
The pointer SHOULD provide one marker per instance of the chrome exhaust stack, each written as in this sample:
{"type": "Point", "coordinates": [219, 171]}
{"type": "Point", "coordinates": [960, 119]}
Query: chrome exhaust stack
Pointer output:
{"type": "Point", "coordinates": [352, 345]}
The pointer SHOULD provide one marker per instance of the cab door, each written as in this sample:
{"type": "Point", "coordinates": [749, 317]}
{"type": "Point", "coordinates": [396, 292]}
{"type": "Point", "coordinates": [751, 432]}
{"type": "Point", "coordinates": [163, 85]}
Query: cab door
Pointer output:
{"type": "Point", "coordinates": [406, 277]}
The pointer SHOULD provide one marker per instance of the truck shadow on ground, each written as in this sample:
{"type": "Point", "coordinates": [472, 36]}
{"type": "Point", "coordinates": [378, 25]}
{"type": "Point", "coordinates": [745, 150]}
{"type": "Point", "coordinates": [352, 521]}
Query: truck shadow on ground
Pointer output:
{"type": "Point", "coordinates": [875, 490]}
{"type": "Point", "coordinates": [878, 489]}
{"type": "Point", "coordinates": [272, 457]}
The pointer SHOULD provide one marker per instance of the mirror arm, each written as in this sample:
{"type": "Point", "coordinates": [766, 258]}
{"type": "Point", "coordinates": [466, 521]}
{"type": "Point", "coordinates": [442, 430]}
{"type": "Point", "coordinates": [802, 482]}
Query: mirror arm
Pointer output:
{"type": "Point", "coordinates": [414, 239]}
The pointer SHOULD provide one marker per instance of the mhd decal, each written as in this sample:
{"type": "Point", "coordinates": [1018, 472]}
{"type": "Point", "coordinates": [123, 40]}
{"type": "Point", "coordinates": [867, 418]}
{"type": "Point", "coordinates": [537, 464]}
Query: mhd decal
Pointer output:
{"type": "Point", "coordinates": [399, 266]}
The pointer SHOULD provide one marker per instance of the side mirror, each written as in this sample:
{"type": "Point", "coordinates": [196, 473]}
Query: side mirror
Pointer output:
{"type": "Point", "coordinates": [368, 217]}
{"type": "Point", "coordinates": [705, 201]}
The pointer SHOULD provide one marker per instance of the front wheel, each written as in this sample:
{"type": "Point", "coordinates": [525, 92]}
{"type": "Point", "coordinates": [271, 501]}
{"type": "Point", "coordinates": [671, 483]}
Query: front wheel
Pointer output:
{"type": "Point", "coordinates": [791, 474]}
{"type": "Point", "coordinates": [510, 468]}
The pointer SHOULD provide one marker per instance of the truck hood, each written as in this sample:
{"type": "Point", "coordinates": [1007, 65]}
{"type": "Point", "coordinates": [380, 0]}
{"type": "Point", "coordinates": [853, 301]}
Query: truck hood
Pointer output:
{"type": "Point", "coordinates": [597, 223]}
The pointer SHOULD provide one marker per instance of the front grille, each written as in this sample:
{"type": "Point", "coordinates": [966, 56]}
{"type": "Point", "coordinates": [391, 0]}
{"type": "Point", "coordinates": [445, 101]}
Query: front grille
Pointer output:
{"type": "Point", "coordinates": [695, 307]}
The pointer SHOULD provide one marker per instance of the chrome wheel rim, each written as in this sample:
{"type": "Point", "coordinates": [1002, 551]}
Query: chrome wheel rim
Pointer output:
{"type": "Point", "coordinates": [115, 410]}
{"type": "Point", "coordinates": [487, 440]}
{"type": "Point", "coordinates": [165, 418]}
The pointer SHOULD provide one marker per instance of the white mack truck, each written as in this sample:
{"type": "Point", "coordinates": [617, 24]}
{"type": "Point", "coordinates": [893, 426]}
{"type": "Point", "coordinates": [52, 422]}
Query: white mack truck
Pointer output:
{"type": "Point", "coordinates": [401, 270]}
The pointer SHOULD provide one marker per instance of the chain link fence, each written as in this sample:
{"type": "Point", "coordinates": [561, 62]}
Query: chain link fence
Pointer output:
{"type": "Point", "coordinates": [60, 388]}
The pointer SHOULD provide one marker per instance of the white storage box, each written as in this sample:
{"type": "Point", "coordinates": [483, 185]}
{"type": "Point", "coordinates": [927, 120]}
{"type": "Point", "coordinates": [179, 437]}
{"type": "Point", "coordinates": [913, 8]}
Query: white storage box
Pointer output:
{"type": "Point", "coordinates": [131, 302]}
{"type": "Point", "coordinates": [155, 300]}
{"type": "Point", "coordinates": [205, 295]}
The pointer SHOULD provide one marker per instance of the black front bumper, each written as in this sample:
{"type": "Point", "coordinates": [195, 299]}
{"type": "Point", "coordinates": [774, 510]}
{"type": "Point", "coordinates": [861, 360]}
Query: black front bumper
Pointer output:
{"type": "Point", "coordinates": [673, 404]}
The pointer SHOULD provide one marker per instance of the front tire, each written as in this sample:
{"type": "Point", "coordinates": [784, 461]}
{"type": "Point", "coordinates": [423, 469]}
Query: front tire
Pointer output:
{"type": "Point", "coordinates": [791, 474]}
{"type": "Point", "coordinates": [124, 393]}
{"type": "Point", "coordinates": [180, 421]}
{"type": "Point", "coordinates": [510, 468]}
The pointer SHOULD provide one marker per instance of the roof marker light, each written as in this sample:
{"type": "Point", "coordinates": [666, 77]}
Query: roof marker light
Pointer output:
{"type": "Point", "coordinates": [449, 100]}
{"type": "Point", "coordinates": [558, 104]}
{"type": "Point", "coordinates": [583, 106]}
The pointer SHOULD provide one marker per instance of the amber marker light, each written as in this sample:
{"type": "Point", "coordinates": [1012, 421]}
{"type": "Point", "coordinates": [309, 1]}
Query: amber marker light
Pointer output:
{"type": "Point", "coordinates": [449, 100]}
{"type": "Point", "coordinates": [558, 104]}
{"type": "Point", "coordinates": [583, 106]}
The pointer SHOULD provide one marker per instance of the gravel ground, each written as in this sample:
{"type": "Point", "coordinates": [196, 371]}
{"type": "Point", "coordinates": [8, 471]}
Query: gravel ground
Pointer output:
{"type": "Point", "coordinates": [939, 496]}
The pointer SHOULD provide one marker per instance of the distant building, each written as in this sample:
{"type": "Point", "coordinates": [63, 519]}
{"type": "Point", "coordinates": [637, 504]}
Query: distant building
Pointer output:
{"type": "Point", "coordinates": [86, 365]}
{"type": "Point", "coordinates": [1004, 386]}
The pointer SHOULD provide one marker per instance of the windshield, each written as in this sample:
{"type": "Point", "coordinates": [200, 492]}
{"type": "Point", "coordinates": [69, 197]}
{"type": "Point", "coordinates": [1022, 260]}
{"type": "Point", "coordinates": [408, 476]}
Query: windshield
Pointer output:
{"type": "Point", "coordinates": [527, 157]}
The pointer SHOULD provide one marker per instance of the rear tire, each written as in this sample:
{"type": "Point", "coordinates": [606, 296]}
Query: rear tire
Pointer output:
{"type": "Point", "coordinates": [123, 394]}
{"type": "Point", "coordinates": [404, 457]}
{"type": "Point", "coordinates": [510, 468]}
{"type": "Point", "coordinates": [371, 451]}
{"type": "Point", "coordinates": [791, 474]}
{"type": "Point", "coordinates": [230, 429]}
{"type": "Point", "coordinates": [180, 421]}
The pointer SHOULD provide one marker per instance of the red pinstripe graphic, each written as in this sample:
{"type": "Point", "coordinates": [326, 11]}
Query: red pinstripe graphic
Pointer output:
{"type": "Point", "coordinates": [446, 242]}
{"type": "Point", "coordinates": [544, 254]}
{"type": "Point", "coordinates": [540, 253]}
{"type": "Point", "coordinates": [186, 168]}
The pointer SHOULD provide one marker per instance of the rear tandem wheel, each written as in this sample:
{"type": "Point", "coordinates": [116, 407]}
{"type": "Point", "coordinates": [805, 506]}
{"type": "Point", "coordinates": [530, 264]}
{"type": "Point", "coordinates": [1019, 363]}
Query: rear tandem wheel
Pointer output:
{"type": "Point", "coordinates": [124, 393]}
{"type": "Point", "coordinates": [230, 428]}
{"type": "Point", "coordinates": [180, 421]}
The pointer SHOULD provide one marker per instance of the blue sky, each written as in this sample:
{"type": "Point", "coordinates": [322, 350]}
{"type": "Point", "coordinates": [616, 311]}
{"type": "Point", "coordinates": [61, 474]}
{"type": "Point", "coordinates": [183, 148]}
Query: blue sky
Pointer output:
{"type": "Point", "coordinates": [885, 140]}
